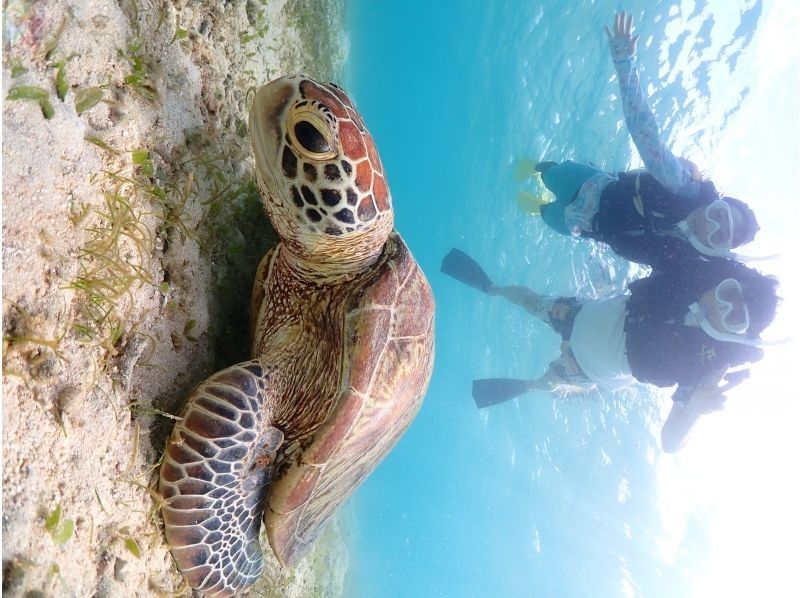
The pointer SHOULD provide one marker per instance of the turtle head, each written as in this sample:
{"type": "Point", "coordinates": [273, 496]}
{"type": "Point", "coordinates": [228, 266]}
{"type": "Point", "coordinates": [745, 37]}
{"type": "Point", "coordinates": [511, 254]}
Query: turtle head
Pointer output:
{"type": "Point", "coordinates": [320, 175]}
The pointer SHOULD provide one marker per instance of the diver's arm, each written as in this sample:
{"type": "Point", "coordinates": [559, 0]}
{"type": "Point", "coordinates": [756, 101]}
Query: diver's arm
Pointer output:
{"type": "Point", "coordinates": [675, 430]}
{"type": "Point", "coordinates": [683, 416]}
{"type": "Point", "coordinates": [674, 174]}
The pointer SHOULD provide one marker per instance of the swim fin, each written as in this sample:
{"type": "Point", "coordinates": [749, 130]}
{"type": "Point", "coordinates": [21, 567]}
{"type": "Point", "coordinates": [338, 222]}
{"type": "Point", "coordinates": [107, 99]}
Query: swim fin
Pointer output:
{"type": "Point", "coordinates": [491, 391]}
{"type": "Point", "coordinates": [527, 202]}
{"type": "Point", "coordinates": [464, 269]}
{"type": "Point", "coordinates": [524, 168]}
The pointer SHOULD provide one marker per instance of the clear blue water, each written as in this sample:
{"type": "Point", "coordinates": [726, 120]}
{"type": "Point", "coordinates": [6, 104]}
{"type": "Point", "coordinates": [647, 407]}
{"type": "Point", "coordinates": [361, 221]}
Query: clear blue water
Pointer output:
{"type": "Point", "coordinates": [539, 496]}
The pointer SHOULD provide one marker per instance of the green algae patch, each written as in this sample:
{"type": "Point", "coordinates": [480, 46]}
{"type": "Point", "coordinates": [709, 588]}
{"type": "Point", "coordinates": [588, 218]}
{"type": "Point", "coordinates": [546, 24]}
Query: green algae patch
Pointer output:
{"type": "Point", "coordinates": [33, 94]}
{"type": "Point", "coordinates": [113, 262]}
{"type": "Point", "coordinates": [61, 81]}
{"type": "Point", "coordinates": [133, 547]}
{"type": "Point", "coordinates": [141, 80]}
{"type": "Point", "coordinates": [141, 158]}
{"type": "Point", "coordinates": [60, 529]}
{"type": "Point", "coordinates": [86, 98]}
{"type": "Point", "coordinates": [95, 140]}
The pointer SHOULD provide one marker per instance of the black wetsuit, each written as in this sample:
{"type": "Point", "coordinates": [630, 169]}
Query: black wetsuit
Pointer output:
{"type": "Point", "coordinates": [661, 349]}
{"type": "Point", "coordinates": [641, 230]}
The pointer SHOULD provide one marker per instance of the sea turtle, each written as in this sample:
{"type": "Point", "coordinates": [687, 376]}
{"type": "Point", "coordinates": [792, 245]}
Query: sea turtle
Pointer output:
{"type": "Point", "coordinates": [342, 351]}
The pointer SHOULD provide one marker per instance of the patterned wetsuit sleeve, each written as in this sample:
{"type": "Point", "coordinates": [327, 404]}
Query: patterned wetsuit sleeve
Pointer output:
{"type": "Point", "coordinates": [659, 160]}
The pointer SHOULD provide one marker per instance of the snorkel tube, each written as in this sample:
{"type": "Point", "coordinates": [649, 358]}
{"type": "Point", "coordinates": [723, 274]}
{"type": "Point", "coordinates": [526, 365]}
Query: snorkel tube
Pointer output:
{"type": "Point", "coordinates": [704, 249]}
{"type": "Point", "coordinates": [699, 316]}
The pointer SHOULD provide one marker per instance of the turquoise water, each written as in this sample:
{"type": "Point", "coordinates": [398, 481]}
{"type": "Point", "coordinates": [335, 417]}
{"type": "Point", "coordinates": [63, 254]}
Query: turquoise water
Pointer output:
{"type": "Point", "coordinates": [539, 496]}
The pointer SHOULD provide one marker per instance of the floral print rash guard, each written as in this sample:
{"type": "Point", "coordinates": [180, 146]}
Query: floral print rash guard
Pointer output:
{"type": "Point", "coordinates": [673, 173]}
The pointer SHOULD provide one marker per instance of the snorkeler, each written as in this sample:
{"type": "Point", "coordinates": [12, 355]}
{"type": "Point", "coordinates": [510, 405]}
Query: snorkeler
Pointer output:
{"type": "Point", "coordinates": [658, 216]}
{"type": "Point", "coordinates": [687, 326]}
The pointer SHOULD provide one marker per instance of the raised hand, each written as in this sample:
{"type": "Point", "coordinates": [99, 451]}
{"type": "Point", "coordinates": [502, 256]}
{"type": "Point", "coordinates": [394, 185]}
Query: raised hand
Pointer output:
{"type": "Point", "coordinates": [708, 396]}
{"type": "Point", "coordinates": [622, 41]}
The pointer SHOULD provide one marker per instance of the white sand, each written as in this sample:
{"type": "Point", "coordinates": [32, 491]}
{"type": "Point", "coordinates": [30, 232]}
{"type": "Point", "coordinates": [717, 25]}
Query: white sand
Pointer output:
{"type": "Point", "coordinates": [70, 437]}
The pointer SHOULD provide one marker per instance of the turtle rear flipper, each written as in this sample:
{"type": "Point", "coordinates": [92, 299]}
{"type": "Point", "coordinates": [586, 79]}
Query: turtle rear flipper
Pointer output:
{"type": "Point", "coordinates": [213, 480]}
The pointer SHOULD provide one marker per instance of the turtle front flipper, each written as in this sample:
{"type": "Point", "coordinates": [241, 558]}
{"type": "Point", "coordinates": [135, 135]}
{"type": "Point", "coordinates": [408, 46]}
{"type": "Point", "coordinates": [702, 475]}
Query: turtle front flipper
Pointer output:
{"type": "Point", "coordinates": [388, 360]}
{"type": "Point", "coordinates": [214, 476]}
{"type": "Point", "coordinates": [299, 503]}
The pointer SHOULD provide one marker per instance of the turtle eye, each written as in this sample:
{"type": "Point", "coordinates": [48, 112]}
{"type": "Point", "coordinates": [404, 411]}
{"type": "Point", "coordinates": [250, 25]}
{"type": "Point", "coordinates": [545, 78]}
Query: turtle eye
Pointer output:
{"type": "Point", "coordinates": [310, 138]}
{"type": "Point", "coordinates": [311, 132]}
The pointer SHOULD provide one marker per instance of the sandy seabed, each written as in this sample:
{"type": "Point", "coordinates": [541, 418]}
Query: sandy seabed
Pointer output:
{"type": "Point", "coordinates": [131, 229]}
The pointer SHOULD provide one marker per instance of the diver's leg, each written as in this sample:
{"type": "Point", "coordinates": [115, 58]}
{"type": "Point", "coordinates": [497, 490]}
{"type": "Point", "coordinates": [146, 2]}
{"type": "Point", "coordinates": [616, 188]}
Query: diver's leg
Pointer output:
{"type": "Point", "coordinates": [566, 178]}
{"type": "Point", "coordinates": [557, 312]}
{"type": "Point", "coordinates": [534, 303]}
{"type": "Point", "coordinates": [546, 382]}
{"type": "Point", "coordinates": [542, 166]}
{"type": "Point", "coordinates": [563, 374]}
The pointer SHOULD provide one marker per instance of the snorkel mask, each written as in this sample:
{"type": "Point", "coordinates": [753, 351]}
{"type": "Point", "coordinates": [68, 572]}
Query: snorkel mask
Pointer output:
{"type": "Point", "coordinates": [718, 213]}
{"type": "Point", "coordinates": [720, 239]}
{"type": "Point", "coordinates": [728, 295]}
